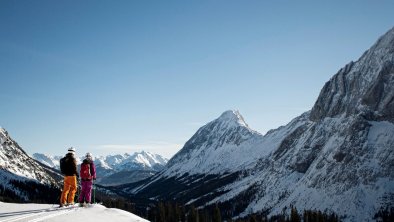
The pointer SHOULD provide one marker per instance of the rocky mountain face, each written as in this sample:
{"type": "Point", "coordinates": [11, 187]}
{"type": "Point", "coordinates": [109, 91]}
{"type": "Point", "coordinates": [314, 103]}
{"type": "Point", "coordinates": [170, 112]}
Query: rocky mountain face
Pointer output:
{"type": "Point", "coordinates": [20, 173]}
{"type": "Point", "coordinates": [337, 157]}
{"type": "Point", "coordinates": [116, 169]}
{"type": "Point", "coordinates": [227, 140]}
{"type": "Point", "coordinates": [365, 87]}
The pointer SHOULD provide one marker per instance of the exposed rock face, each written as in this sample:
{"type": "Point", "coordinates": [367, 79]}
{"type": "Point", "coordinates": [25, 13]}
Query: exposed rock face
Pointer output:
{"type": "Point", "coordinates": [364, 87]}
{"type": "Point", "coordinates": [380, 97]}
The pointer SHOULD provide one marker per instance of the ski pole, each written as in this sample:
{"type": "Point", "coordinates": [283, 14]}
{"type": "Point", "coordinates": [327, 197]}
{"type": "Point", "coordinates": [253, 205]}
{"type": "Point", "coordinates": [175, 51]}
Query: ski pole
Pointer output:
{"type": "Point", "coordinates": [78, 190]}
{"type": "Point", "coordinates": [94, 193]}
{"type": "Point", "coordinates": [57, 200]}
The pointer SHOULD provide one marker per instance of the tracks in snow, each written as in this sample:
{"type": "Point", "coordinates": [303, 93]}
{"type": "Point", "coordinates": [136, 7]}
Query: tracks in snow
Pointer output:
{"type": "Point", "coordinates": [35, 215]}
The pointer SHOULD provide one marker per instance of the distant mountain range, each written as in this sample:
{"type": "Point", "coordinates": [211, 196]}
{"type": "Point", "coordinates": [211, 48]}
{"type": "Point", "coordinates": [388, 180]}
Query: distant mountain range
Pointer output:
{"type": "Point", "coordinates": [338, 157]}
{"type": "Point", "coordinates": [116, 169]}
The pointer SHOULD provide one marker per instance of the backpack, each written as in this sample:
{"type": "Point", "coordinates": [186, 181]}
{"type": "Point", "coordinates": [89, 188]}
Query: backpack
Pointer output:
{"type": "Point", "coordinates": [85, 171]}
{"type": "Point", "coordinates": [63, 165]}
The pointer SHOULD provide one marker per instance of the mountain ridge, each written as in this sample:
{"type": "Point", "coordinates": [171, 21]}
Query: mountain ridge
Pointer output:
{"type": "Point", "coordinates": [355, 88]}
{"type": "Point", "coordinates": [336, 157]}
{"type": "Point", "coordinates": [23, 178]}
{"type": "Point", "coordinates": [132, 167]}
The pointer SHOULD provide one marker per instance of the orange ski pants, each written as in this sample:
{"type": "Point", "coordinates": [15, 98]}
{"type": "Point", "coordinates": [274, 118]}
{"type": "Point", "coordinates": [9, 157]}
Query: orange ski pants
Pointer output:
{"type": "Point", "coordinates": [70, 188]}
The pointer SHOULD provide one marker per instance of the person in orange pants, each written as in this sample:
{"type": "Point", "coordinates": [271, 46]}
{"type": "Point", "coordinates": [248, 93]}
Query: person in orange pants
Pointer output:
{"type": "Point", "coordinates": [68, 166]}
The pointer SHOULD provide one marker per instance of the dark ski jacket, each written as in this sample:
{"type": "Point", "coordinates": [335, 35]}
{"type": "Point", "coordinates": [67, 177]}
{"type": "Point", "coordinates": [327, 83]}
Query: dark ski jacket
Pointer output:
{"type": "Point", "coordinates": [68, 165]}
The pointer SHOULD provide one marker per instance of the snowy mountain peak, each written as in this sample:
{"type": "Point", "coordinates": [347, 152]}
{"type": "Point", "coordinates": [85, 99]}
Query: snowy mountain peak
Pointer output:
{"type": "Point", "coordinates": [47, 159]}
{"type": "Point", "coordinates": [115, 169]}
{"type": "Point", "coordinates": [148, 159]}
{"type": "Point", "coordinates": [107, 165]}
{"type": "Point", "coordinates": [214, 142]}
{"type": "Point", "coordinates": [387, 40]}
{"type": "Point", "coordinates": [233, 117]}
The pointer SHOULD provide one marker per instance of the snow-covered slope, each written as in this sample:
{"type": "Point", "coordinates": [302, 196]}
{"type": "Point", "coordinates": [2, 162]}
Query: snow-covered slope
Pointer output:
{"type": "Point", "coordinates": [132, 167]}
{"type": "Point", "coordinates": [339, 164]}
{"type": "Point", "coordinates": [337, 157]}
{"type": "Point", "coordinates": [18, 171]}
{"type": "Point", "coordinates": [16, 161]}
{"type": "Point", "coordinates": [44, 212]}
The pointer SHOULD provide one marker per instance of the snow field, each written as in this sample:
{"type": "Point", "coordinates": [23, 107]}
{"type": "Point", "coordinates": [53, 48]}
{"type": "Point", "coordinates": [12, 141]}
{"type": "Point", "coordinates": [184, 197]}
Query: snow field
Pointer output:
{"type": "Point", "coordinates": [11, 212]}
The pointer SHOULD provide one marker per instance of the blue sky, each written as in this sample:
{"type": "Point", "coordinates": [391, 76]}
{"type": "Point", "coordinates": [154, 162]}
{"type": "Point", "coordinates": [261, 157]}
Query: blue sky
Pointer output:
{"type": "Point", "coordinates": [122, 76]}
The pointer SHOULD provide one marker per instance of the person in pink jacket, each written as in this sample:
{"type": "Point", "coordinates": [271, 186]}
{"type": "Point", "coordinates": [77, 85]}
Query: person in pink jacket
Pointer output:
{"type": "Point", "coordinates": [87, 175]}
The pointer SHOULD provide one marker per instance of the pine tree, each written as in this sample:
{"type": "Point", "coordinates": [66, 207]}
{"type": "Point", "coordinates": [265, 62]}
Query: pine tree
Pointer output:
{"type": "Point", "coordinates": [252, 218]}
{"type": "Point", "coordinates": [169, 212]}
{"type": "Point", "coordinates": [193, 215]}
{"type": "Point", "coordinates": [294, 216]}
{"type": "Point", "coordinates": [183, 214]}
{"type": "Point", "coordinates": [177, 212]}
{"type": "Point", "coordinates": [216, 217]}
{"type": "Point", "coordinates": [162, 213]}
{"type": "Point", "coordinates": [203, 216]}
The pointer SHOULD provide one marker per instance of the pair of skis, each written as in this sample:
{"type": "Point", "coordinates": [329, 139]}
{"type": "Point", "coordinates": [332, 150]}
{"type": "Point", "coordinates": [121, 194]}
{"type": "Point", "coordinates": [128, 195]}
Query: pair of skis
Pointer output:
{"type": "Point", "coordinates": [69, 206]}
{"type": "Point", "coordinates": [77, 205]}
